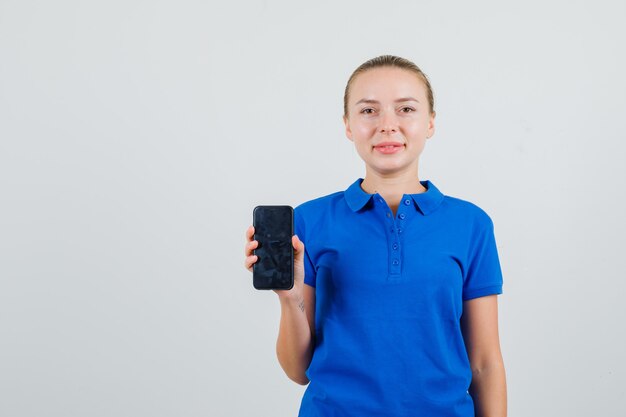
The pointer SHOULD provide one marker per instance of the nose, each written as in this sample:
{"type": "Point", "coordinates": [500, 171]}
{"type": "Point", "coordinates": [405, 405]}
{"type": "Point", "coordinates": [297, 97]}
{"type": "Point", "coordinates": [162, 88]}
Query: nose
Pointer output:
{"type": "Point", "coordinates": [388, 122]}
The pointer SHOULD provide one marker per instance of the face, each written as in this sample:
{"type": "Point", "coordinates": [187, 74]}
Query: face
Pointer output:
{"type": "Point", "coordinates": [389, 106]}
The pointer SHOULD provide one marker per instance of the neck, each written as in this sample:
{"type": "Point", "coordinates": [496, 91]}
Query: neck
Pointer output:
{"type": "Point", "coordinates": [392, 186]}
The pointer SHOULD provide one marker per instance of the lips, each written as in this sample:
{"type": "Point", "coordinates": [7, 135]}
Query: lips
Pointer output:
{"type": "Point", "coordinates": [389, 147]}
{"type": "Point", "coordinates": [385, 144]}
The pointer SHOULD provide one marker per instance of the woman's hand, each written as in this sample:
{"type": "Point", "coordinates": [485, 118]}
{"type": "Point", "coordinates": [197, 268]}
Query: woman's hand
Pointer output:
{"type": "Point", "coordinates": [298, 263]}
{"type": "Point", "coordinates": [295, 343]}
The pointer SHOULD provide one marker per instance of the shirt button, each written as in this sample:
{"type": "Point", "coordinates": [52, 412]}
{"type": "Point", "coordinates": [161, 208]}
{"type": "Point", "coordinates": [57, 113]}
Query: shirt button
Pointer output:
{"type": "Point", "coordinates": [388, 214]}
{"type": "Point", "coordinates": [407, 202]}
{"type": "Point", "coordinates": [401, 215]}
{"type": "Point", "coordinates": [395, 246]}
{"type": "Point", "coordinates": [399, 230]}
{"type": "Point", "coordinates": [396, 262]}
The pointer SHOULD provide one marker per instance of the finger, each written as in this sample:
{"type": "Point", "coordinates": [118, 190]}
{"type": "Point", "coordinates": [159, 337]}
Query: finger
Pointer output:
{"type": "Point", "coordinates": [250, 260]}
{"type": "Point", "coordinates": [250, 233]}
{"type": "Point", "coordinates": [298, 245]}
{"type": "Point", "coordinates": [250, 246]}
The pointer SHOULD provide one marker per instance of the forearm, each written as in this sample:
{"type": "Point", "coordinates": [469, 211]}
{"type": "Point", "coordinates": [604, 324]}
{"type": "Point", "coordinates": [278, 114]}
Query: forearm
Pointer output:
{"type": "Point", "coordinates": [294, 346]}
{"type": "Point", "coordinates": [488, 390]}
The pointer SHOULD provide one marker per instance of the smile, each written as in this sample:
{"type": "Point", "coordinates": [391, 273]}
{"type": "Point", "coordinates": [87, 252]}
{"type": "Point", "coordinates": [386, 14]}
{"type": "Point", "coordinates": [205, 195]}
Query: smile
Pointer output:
{"type": "Point", "coordinates": [389, 149]}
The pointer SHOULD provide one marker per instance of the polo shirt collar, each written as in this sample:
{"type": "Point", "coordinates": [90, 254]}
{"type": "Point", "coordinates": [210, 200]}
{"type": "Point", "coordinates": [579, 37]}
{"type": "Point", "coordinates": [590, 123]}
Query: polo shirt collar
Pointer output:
{"type": "Point", "coordinates": [427, 202]}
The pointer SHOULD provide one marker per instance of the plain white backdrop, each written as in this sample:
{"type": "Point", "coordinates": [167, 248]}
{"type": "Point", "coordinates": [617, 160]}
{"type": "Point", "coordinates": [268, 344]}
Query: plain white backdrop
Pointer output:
{"type": "Point", "coordinates": [137, 136]}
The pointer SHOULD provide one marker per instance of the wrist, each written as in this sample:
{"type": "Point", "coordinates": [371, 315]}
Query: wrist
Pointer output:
{"type": "Point", "coordinates": [292, 296]}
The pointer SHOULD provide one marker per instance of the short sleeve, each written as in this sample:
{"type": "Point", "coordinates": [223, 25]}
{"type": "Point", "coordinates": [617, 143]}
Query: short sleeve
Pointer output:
{"type": "Point", "coordinates": [484, 275]}
{"type": "Point", "coordinates": [309, 270]}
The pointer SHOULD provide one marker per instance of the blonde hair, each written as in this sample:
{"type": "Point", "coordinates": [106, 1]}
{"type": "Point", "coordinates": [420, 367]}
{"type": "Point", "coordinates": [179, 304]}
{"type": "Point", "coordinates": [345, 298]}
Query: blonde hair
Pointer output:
{"type": "Point", "coordinates": [389, 61]}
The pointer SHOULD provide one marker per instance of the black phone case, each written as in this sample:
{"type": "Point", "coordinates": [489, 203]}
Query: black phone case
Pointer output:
{"type": "Point", "coordinates": [273, 229]}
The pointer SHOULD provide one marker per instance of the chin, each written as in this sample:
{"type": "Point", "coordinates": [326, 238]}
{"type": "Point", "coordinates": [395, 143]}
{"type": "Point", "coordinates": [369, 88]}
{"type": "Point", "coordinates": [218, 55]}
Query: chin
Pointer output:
{"type": "Point", "coordinates": [388, 169]}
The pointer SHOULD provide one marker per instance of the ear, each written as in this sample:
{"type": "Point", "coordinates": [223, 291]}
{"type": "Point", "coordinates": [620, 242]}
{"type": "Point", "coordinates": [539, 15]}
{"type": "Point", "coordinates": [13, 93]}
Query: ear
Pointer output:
{"type": "Point", "coordinates": [346, 122]}
{"type": "Point", "coordinates": [431, 126]}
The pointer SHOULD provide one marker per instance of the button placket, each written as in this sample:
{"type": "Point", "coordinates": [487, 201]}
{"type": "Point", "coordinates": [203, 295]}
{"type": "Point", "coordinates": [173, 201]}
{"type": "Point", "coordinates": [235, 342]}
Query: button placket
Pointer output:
{"type": "Point", "coordinates": [401, 216]}
{"type": "Point", "coordinates": [393, 239]}
{"type": "Point", "coordinates": [395, 253]}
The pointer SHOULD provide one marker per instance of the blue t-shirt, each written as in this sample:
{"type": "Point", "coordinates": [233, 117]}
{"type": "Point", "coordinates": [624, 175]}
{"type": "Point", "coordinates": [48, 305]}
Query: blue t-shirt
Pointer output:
{"type": "Point", "coordinates": [389, 298]}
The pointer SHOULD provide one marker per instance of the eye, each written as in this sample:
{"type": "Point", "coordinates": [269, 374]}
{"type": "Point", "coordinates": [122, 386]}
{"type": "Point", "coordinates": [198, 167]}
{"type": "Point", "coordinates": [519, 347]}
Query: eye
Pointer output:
{"type": "Point", "coordinates": [407, 109]}
{"type": "Point", "coordinates": [367, 110]}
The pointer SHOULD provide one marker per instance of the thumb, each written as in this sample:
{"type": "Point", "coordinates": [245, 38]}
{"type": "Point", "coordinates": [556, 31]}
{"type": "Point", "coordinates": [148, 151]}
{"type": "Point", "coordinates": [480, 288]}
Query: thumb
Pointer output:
{"type": "Point", "coordinates": [298, 246]}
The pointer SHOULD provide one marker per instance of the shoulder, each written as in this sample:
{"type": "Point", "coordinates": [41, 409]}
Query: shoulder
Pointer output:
{"type": "Point", "coordinates": [312, 213]}
{"type": "Point", "coordinates": [467, 212]}
{"type": "Point", "coordinates": [318, 205]}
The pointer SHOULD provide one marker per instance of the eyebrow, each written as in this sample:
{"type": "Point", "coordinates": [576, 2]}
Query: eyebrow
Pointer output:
{"type": "Point", "coordinates": [400, 100]}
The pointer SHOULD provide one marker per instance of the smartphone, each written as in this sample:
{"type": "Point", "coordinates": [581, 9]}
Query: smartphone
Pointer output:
{"type": "Point", "coordinates": [273, 229]}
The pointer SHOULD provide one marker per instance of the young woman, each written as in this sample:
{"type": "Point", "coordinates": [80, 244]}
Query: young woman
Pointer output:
{"type": "Point", "coordinates": [394, 307]}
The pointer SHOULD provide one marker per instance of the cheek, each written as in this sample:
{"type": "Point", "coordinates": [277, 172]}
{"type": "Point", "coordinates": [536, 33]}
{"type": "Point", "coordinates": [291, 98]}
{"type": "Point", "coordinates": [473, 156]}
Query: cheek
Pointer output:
{"type": "Point", "coordinates": [416, 127]}
{"type": "Point", "coordinates": [363, 129]}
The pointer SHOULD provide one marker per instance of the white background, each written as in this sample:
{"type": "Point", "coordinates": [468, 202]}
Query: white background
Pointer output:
{"type": "Point", "coordinates": [137, 136]}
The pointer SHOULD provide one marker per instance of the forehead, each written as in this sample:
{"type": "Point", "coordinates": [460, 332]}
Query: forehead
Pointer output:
{"type": "Point", "coordinates": [387, 83]}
